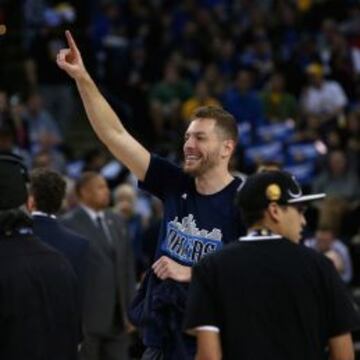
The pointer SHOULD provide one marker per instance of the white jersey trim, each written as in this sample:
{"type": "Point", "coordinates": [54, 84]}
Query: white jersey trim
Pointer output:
{"type": "Point", "coordinates": [207, 328]}
{"type": "Point", "coordinates": [256, 237]}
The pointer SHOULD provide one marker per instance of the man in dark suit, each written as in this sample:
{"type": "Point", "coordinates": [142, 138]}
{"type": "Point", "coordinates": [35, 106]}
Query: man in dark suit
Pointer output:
{"type": "Point", "coordinates": [39, 313]}
{"type": "Point", "coordinates": [111, 275]}
{"type": "Point", "coordinates": [46, 193]}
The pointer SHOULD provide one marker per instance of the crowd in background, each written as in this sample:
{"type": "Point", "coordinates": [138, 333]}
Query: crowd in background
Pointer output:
{"type": "Point", "coordinates": [287, 70]}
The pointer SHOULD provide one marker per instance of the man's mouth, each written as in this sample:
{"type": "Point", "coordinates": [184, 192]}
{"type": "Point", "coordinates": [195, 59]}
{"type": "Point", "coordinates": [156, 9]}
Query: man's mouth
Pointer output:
{"type": "Point", "coordinates": [192, 157]}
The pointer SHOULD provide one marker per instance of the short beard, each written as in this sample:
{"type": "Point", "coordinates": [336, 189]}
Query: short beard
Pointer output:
{"type": "Point", "coordinates": [204, 166]}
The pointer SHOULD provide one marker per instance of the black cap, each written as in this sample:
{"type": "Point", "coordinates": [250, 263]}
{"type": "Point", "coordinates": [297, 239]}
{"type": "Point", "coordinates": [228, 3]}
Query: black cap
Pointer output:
{"type": "Point", "coordinates": [260, 189]}
{"type": "Point", "coordinates": [13, 178]}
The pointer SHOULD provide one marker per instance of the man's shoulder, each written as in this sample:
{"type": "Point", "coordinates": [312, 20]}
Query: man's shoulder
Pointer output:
{"type": "Point", "coordinates": [163, 177]}
{"type": "Point", "coordinates": [312, 256]}
{"type": "Point", "coordinates": [73, 236]}
{"type": "Point", "coordinates": [218, 257]}
{"type": "Point", "coordinates": [72, 215]}
{"type": "Point", "coordinates": [31, 246]}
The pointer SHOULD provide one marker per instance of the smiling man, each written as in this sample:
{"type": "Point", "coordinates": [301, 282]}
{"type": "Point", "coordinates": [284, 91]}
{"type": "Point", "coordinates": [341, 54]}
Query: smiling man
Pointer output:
{"type": "Point", "coordinates": [199, 215]}
{"type": "Point", "coordinates": [267, 297]}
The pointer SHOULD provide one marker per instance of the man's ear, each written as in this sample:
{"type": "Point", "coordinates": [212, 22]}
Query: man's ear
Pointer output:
{"type": "Point", "coordinates": [274, 212]}
{"type": "Point", "coordinates": [228, 147]}
{"type": "Point", "coordinates": [30, 203]}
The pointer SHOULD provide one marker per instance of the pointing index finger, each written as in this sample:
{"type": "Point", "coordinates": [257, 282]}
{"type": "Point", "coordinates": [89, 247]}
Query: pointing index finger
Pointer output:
{"type": "Point", "coordinates": [71, 42]}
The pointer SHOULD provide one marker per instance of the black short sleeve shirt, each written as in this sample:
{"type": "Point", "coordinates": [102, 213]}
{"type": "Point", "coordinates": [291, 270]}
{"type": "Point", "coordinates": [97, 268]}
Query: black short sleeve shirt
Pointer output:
{"type": "Point", "coordinates": [270, 299]}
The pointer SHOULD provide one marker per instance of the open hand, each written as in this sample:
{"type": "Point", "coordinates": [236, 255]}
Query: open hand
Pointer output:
{"type": "Point", "coordinates": [166, 268]}
{"type": "Point", "coordinates": [70, 60]}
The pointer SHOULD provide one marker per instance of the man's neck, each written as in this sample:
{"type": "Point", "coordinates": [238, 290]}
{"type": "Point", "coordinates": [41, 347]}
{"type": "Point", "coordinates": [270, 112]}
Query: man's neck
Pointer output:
{"type": "Point", "coordinates": [264, 225]}
{"type": "Point", "coordinates": [213, 181]}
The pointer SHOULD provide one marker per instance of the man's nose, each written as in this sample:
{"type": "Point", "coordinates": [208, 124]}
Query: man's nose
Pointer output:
{"type": "Point", "coordinates": [189, 143]}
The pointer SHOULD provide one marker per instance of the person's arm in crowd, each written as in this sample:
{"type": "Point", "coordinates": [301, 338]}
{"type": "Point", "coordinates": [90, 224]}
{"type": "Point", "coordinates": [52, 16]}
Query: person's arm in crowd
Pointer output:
{"type": "Point", "coordinates": [103, 119]}
{"type": "Point", "coordinates": [341, 347]}
{"type": "Point", "coordinates": [208, 345]}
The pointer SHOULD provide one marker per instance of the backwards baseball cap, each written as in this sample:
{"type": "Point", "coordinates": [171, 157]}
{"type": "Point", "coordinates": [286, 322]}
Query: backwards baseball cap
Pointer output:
{"type": "Point", "coordinates": [13, 178]}
{"type": "Point", "coordinates": [260, 189]}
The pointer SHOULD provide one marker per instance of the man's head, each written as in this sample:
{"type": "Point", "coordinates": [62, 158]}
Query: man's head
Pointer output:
{"type": "Point", "coordinates": [13, 179]}
{"type": "Point", "coordinates": [337, 163]}
{"type": "Point", "coordinates": [93, 191]}
{"type": "Point", "coordinates": [13, 194]}
{"type": "Point", "coordinates": [315, 73]}
{"type": "Point", "coordinates": [34, 103]}
{"type": "Point", "coordinates": [47, 191]}
{"type": "Point", "coordinates": [325, 237]}
{"type": "Point", "coordinates": [277, 83]}
{"type": "Point", "coordinates": [125, 200]}
{"type": "Point", "coordinates": [244, 81]}
{"type": "Point", "coordinates": [210, 140]}
{"type": "Point", "coordinates": [274, 200]}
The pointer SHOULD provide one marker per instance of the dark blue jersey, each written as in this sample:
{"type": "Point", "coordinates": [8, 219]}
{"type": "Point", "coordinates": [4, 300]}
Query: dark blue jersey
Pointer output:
{"type": "Point", "coordinates": [193, 225]}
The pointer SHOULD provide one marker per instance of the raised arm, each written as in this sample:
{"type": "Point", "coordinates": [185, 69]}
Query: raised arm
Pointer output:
{"type": "Point", "coordinates": [103, 119]}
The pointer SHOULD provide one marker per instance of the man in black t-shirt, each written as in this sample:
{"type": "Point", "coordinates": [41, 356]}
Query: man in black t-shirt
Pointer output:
{"type": "Point", "coordinates": [266, 296]}
{"type": "Point", "coordinates": [199, 215]}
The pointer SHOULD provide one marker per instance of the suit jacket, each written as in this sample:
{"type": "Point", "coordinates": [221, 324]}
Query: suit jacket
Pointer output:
{"type": "Point", "coordinates": [72, 245]}
{"type": "Point", "coordinates": [39, 314]}
{"type": "Point", "coordinates": [110, 278]}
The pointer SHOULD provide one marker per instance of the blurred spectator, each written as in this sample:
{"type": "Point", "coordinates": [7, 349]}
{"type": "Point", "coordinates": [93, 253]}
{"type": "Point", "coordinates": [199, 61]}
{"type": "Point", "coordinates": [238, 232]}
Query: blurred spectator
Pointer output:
{"type": "Point", "coordinates": [42, 159]}
{"type": "Point", "coordinates": [110, 277]}
{"type": "Point", "coordinates": [43, 130]}
{"type": "Point", "coordinates": [125, 199]}
{"type": "Point", "coordinates": [337, 179]}
{"type": "Point", "coordinates": [344, 63]}
{"type": "Point", "coordinates": [11, 116]}
{"type": "Point", "coordinates": [7, 144]}
{"type": "Point", "coordinates": [322, 97]}
{"type": "Point", "coordinates": [140, 75]}
{"type": "Point", "coordinates": [45, 75]}
{"type": "Point", "coordinates": [326, 243]}
{"type": "Point", "coordinates": [214, 80]}
{"type": "Point", "coordinates": [201, 97]}
{"type": "Point", "coordinates": [278, 104]}
{"type": "Point", "coordinates": [19, 123]}
{"type": "Point", "coordinates": [94, 160]}
{"type": "Point", "coordinates": [309, 128]}
{"type": "Point", "coordinates": [166, 97]}
{"type": "Point", "coordinates": [258, 56]}
{"type": "Point", "coordinates": [226, 57]}
{"type": "Point", "coordinates": [110, 40]}
{"type": "Point", "coordinates": [243, 102]}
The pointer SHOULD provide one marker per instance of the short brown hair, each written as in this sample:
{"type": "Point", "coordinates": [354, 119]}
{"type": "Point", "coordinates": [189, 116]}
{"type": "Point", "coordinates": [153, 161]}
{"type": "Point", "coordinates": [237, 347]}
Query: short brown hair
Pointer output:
{"type": "Point", "coordinates": [223, 119]}
{"type": "Point", "coordinates": [48, 189]}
